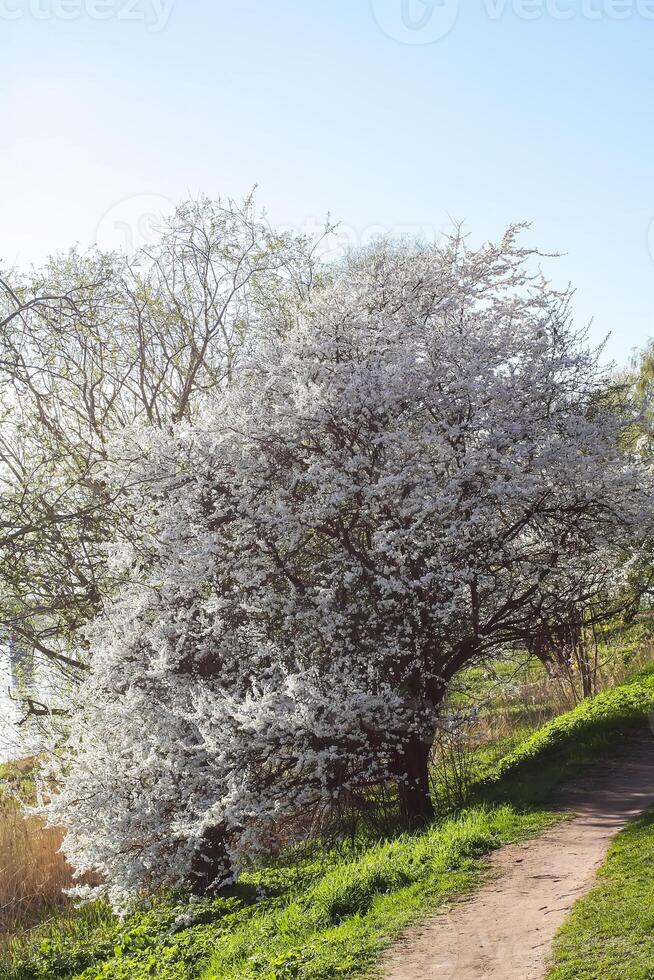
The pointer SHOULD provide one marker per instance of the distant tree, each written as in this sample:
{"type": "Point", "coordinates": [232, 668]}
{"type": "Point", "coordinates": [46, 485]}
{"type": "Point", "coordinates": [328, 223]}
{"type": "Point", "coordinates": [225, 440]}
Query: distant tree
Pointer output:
{"type": "Point", "coordinates": [91, 345]}
{"type": "Point", "coordinates": [414, 478]}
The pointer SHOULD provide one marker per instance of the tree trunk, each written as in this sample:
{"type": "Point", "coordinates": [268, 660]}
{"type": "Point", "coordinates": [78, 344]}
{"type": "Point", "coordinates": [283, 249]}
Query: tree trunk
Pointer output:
{"type": "Point", "coordinates": [211, 865]}
{"type": "Point", "coordinates": [416, 807]}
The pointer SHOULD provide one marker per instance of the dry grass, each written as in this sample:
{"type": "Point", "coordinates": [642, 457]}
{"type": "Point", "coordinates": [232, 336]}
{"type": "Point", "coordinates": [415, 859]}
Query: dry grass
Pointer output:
{"type": "Point", "coordinates": [532, 704]}
{"type": "Point", "coordinates": [32, 871]}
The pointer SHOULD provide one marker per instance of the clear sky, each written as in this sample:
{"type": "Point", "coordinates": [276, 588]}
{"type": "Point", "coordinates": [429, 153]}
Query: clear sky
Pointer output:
{"type": "Point", "coordinates": [395, 115]}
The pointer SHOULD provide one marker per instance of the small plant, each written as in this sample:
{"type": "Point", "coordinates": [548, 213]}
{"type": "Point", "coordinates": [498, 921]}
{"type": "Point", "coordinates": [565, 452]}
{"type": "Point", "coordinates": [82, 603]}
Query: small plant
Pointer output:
{"type": "Point", "coordinates": [454, 758]}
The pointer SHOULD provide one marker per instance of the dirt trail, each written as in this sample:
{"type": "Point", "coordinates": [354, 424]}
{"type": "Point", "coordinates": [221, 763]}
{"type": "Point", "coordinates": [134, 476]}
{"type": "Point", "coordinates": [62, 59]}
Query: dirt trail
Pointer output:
{"type": "Point", "coordinates": [504, 930]}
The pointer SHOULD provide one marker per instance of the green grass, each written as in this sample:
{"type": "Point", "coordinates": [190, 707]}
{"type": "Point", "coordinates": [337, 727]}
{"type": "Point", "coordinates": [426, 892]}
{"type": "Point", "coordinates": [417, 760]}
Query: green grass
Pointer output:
{"type": "Point", "coordinates": [610, 933]}
{"type": "Point", "coordinates": [329, 915]}
{"type": "Point", "coordinates": [337, 927]}
{"type": "Point", "coordinates": [326, 918]}
{"type": "Point", "coordinates": [17, 781]}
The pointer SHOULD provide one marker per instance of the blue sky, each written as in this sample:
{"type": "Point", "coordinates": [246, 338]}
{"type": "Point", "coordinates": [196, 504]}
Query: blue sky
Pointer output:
{"type": "Point", "coordinates": [391, 115]}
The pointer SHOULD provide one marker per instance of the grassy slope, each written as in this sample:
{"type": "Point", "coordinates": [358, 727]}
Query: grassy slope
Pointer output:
{"type": "Point", "coordinates": [330, 916]}
{"type": "Point", "coordinates": [610, 933]}
{"type": "Point", "coordinates": [325, 918]}
{"type": "Point", "coordinates": [527, 774]}
{"type": "Point", "coordinates": [336, 928]}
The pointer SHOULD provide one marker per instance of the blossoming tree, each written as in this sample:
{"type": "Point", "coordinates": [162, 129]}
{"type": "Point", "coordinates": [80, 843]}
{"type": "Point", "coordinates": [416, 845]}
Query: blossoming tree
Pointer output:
{"type": "Point", "coordinates": [96, 342]}
{"type": "Point", "coordinates": [414, 478]}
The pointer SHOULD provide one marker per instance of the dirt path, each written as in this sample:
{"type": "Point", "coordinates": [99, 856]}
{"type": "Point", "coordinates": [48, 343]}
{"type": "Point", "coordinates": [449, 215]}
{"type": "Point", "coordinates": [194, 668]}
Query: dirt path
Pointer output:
{"type": "Point", "coordinates": [504, 930]}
